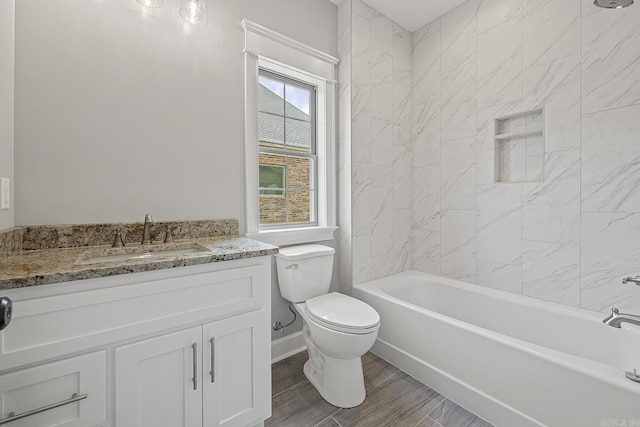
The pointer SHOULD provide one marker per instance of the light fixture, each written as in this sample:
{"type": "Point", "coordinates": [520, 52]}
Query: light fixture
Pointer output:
{"type": "Point", "coordinates": [151, 3]}
{"type": "Point", "coordinates": [193, 11]}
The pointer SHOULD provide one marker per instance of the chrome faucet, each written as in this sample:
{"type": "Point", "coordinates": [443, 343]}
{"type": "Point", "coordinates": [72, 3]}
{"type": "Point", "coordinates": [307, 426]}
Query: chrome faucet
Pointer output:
{"type": "Point", "coordinates": [146, 235]}
{"type": "Point", "coordinates": [616, 319]}
{"type": "Point", "coordinates": [635, 280]}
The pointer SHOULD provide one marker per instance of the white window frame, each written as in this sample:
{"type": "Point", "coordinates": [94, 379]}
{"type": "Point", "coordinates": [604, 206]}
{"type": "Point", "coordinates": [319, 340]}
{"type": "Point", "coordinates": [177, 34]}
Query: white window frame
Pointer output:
{"type": "Point", "coordinates": [274, 52]}
{"type": "Point", "coordinates": [286, 151]}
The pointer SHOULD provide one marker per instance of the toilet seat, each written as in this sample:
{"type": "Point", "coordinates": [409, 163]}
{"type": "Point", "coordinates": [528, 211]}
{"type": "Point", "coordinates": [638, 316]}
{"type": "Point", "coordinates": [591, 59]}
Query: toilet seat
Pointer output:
{"type": "Point", "coordinates": [343, 313]}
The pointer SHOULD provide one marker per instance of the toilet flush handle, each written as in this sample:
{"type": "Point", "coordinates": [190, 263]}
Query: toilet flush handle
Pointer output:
{"type": "Point", "coordinates": [292, 267]}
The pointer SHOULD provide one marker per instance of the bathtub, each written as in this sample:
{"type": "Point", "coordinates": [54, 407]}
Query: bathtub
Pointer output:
{"type": "Point", "coordinates": [514, 361]}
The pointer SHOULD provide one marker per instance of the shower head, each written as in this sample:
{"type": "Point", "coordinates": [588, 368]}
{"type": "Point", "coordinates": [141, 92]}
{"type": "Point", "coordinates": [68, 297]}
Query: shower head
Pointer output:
{"type": "Point", "coordinates": [613, 4]}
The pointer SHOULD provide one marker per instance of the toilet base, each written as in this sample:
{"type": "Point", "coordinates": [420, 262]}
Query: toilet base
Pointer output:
{"type": "Point", "coordinates": [340, 382]}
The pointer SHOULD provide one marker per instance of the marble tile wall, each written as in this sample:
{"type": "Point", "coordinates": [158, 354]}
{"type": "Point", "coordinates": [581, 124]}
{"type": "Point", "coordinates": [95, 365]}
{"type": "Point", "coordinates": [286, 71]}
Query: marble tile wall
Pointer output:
{"type": "Point", "coordinates": [375, 145]}
{"type": "Point", "coordinates": [570, 238]}
{"type": "Point", "coordinates": [344, 147]}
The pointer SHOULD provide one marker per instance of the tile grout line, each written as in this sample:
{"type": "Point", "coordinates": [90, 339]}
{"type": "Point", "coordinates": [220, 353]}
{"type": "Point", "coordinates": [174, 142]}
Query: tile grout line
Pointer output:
{"type": "Point", "coordinates": [521, 187]}
{"type": "Point", "coordinates": [440, 78]}
{"type": "Point", "coordinates": [327, 418]}
{"type": "Point", "coordinates": [476, 152]}
{"type": "Point", "coordinates": [473, 419]}
{"type": "Point", "coordinates": [580, 18]}
{"type": "Point", "coordinates": [336, 421]}
{"type": "Point", "coordinates": [552, 243]}
{"type": "Point", "coordinates": [436, 407]}
{"type": "Point", "coordinates": [286, 389]}
{"type": "Point", "coordinates": [421, 420]}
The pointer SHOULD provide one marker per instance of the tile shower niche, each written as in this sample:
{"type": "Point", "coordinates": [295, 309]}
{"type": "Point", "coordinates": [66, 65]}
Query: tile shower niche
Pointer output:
{"type": "Point", "coordinates": [519, 147]}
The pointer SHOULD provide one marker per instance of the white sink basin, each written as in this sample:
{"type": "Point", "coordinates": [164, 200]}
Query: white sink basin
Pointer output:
{"type": "Point", "coordinates": [140, 253]}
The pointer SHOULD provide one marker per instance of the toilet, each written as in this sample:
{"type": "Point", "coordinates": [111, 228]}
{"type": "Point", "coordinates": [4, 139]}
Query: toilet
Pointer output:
{"type": "Point", "coordinates": [337, 328]}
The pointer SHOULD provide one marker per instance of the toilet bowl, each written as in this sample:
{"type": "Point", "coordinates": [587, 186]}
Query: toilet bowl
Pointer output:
{"type": "Point", "coordinates": [337, 328]}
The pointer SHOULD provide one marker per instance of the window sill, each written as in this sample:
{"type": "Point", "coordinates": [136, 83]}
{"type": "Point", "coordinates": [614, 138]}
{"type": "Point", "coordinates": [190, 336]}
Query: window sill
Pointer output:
{"type": "Point", "coordinates": [294, 236]}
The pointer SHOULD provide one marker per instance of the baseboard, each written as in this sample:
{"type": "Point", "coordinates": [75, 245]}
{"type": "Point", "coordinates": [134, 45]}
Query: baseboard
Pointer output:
{"type": "Point", "coordinates": [287, 346]}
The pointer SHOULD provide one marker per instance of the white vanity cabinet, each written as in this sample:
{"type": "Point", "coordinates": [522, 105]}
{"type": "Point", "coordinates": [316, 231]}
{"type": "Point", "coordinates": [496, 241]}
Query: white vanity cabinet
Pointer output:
{"type": "Point", "coordinates": [212, 375]}
{"type": "Point", "coordinates": [142, 348]}
{"type": "Point", "coordinates": [153, 381]}
{"type": "Point", "coordinates": [237, 365]}
{"type": "Point", "coordinates": [73, 390]}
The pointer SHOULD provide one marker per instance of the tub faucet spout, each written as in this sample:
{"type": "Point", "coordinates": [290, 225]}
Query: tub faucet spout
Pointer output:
{"type": "Point", "coordinates": [615, 319]}
{"type": "Point", "coordinates": [146, 235]}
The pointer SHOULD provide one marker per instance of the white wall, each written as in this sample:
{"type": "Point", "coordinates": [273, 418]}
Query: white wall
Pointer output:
{"type": "Point", "coordinates": [571, 237]}
{"type": "Point", "coordinates": [123, 110]}
{"type": "Point", "coordinates": [6, 101]}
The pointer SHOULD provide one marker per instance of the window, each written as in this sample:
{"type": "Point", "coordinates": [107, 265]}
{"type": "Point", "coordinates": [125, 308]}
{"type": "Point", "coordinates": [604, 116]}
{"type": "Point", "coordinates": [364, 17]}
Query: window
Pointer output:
{"type": "Point", "coordinates": [287, 152]}
{"type": "Point", "coordinates": [290, 133]}
{"type": "Point", "coordinates": [271, 177]}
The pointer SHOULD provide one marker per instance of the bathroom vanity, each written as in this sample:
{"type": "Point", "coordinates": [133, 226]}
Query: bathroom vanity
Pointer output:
{"type": "Point", "coordinates": [188, 345]}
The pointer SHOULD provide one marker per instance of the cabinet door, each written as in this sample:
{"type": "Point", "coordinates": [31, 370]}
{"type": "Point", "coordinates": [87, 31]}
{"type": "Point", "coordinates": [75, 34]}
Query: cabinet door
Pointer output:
{"type": "Point", "coordinates": [237, 371]}
{"type": "Point", "coordinates": [158, 383]}
{"type": "Point", "coordinates": [72, 390]}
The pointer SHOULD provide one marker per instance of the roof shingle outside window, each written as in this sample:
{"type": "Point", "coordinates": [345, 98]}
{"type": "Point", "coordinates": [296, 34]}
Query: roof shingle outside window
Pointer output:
{"type": "Point", "coordinates": [271, 124]}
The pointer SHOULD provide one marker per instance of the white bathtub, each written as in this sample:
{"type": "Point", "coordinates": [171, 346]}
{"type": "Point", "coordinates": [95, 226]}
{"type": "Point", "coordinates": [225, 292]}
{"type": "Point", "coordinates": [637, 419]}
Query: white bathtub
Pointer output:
{"type": "Point", "coordinates": [513, 360]}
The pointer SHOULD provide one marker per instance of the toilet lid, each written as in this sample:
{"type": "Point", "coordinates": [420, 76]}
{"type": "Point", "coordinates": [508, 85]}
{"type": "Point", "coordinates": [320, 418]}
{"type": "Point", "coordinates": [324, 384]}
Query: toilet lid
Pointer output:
{"type": "Point", "coordinates": [344, 313]}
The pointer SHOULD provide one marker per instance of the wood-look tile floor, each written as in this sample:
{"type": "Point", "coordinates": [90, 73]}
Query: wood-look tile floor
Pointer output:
{"type": "Point", "coordinates": [393, 399]}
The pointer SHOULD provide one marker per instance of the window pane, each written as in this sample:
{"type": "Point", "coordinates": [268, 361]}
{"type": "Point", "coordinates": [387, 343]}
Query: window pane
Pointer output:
{"type": "Point", "coordinates": [273, 210]}
{"type": "Point", "coordinates": [270, 130]}
{"type": "Point", "coordinates": [299, 206]}
{"type": "Point", "coordinates": [270, 96]}
{"type": "Point", "coordinates": [273, 201]}
{"type": "Point", "coordinates": [300, 173]}
{"type": "Point", "coordinates": [298, 135]}
{"type": "Point", "coordinates": [298, 103]}
{"type": "Point", "coordinates": [272, 176]}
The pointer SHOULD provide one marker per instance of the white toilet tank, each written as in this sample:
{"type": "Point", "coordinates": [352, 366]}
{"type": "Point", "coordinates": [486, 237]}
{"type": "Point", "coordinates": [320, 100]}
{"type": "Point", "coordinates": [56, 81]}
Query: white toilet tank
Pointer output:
{"type": "Point", "coordinates": [304, 271]}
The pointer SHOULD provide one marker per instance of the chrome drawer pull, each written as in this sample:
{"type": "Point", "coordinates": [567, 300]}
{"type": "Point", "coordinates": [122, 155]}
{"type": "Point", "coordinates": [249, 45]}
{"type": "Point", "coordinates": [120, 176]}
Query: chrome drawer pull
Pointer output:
{"type": "Point", "coordinates": [213, 359]}
{"type": "Point", "coordinates": [194, 346]}
{"type": "Point", "coordinates": [15, 417]}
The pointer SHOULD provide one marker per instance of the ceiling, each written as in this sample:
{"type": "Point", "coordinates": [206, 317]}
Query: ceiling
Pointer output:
{"type": "Point", "coordinates": [411, 14]}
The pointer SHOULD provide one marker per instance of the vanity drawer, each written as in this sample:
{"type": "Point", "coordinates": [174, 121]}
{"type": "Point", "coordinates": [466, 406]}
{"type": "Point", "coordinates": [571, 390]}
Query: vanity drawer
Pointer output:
{"type": "Point", "coordinates": [70, 393]}
{"type": "Point", "coordinates": [54, 325]}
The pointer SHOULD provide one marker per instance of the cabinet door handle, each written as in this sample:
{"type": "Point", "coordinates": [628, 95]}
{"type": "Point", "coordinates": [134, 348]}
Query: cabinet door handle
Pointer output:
{"type": "Point", "coordinates": [194, 346]}
{"type": "Point", "coordinates": [213, 359]}
{"type": "Point", "coordinates": [15, 417]}
{"type": "Point", "coordinates": [6, 307]}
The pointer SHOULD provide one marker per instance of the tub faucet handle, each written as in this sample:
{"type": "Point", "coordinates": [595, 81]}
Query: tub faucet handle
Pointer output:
{"type": "Point", "coordinates": [628, 279]}
{"type": "Point", "coordinates": [633, 376]}
{"type": "Point", "coordinates": [613, 315]}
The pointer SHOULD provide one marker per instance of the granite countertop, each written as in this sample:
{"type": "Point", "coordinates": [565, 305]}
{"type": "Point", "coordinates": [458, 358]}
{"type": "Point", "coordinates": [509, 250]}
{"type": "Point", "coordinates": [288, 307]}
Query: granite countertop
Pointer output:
{"type": "Point", "coordinates": [41, 267]}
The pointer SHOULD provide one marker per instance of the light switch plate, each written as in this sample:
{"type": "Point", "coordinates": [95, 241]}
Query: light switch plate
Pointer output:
{"type": "Point", "coordinates": [5, 193]}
